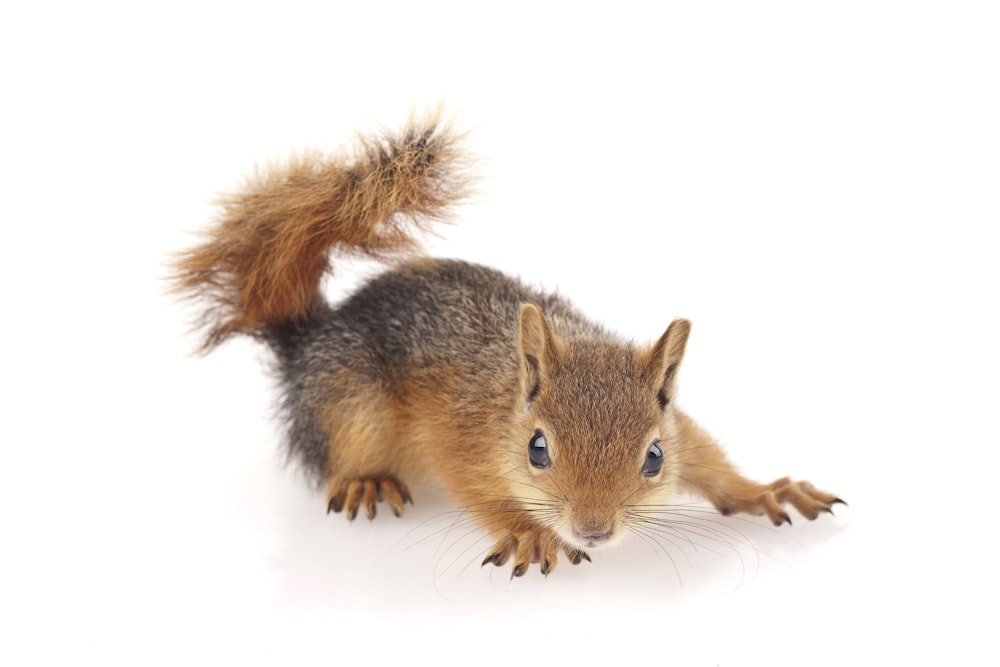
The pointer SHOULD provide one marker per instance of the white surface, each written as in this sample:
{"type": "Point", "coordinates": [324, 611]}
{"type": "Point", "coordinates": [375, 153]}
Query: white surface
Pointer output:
{"type": "Point", "coordinates": [816, 188]}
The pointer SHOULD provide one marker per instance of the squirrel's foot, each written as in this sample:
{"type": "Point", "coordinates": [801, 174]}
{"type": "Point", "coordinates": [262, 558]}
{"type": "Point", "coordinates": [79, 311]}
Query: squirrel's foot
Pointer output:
{"type": "Point", "coordinates": [532, 546]}
{"type": "Point", "coordinates": [770, 499]}
{"type": "Point", "coordinates": [351, 495]}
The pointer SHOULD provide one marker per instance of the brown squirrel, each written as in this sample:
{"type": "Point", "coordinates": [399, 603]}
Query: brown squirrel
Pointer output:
{"type": "Point", "coordinates": [551, 432]}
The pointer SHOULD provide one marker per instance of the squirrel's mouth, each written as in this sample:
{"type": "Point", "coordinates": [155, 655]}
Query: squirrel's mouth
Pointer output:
{"type": "Point", "coordinates": [591, 541]}
{"type": "Point", "coordinates": [591, 538]}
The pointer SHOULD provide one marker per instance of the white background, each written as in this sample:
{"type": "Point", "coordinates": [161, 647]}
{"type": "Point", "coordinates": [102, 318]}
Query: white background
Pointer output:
{"type": "Point", "coordinates": [813, 184]}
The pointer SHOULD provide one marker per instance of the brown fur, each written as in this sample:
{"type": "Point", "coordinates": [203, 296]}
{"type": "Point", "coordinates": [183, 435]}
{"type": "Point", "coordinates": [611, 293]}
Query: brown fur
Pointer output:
{"type": "Point", "coordinates": [444, 369]}
{"type": "Point", "coordinates": [262, 262]}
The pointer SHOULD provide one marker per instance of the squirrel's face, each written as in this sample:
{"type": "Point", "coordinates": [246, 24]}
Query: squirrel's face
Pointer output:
{"type": "Point", "coordinates": [597, 429]}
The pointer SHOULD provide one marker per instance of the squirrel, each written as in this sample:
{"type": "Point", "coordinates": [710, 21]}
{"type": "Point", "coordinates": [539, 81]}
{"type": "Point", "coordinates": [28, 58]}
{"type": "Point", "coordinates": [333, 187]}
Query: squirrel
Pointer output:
{"type": "Point", "coordinates": [554, 434]}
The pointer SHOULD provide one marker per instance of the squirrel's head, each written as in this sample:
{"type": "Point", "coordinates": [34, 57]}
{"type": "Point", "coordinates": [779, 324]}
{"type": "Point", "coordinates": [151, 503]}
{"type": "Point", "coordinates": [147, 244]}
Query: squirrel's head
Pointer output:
{"type": "Point", "coordinates": [596, 420]}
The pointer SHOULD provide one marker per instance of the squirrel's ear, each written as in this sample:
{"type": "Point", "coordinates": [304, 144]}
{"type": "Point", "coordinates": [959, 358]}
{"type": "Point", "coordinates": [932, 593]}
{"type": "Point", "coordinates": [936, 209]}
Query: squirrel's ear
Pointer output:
{"type": "Point", "coordinates": [538, 348]}
{"type": "Point", "coordinates": [664, 358]}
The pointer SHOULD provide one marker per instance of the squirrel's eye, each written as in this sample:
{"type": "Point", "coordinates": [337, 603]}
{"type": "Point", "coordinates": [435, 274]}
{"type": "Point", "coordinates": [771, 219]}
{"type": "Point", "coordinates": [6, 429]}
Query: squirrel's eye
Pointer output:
{"type": "Point", "coordinates": [538, 451]}
{"type": "Point", "coordinates": [654, 460]}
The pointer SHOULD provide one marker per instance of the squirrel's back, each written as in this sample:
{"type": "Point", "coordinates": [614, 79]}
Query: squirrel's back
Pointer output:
{"type": "Point", "coordinates": [446, 324]}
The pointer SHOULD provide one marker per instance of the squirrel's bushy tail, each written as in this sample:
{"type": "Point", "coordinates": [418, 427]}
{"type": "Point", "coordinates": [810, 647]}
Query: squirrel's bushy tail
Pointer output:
{"type": "Point", "coordinates": [261, 263]}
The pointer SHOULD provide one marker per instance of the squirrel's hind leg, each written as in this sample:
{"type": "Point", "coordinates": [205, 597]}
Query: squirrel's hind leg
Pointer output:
{"type": "Point", "coordinates": [365, 460]}
{"type": "Point", "coordinates": [351, 495]}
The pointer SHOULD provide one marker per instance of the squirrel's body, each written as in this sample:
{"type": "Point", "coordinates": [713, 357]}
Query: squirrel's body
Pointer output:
{"type": "Point", "coordinates": [444, 325]}
{"type": "Point", "coordinates": [553, 433]}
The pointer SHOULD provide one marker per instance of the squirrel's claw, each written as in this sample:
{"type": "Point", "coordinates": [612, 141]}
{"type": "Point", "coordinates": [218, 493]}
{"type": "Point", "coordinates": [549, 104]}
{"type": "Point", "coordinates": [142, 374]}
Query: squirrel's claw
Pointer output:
{"type": "Point", "coordinates": [770, 499]}
{"type": "Point", "coordinates": [532, 546]}
{"type": "Point", "coordinates": [352, 495]}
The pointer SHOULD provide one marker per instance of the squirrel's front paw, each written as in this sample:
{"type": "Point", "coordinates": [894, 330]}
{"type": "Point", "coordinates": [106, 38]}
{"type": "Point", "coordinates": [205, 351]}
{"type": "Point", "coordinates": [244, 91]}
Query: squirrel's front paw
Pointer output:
{"type": "Point", "coordinates": [532, 546]}
{"type": "Point", "coordinates": [770, 499]}
{"type": "Point", "coordinates": [349, 496]}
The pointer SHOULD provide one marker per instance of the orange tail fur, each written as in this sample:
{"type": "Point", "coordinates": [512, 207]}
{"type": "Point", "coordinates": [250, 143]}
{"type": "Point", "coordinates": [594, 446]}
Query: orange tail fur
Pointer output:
{"type": "Point", "coordinates": [262, 262]}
